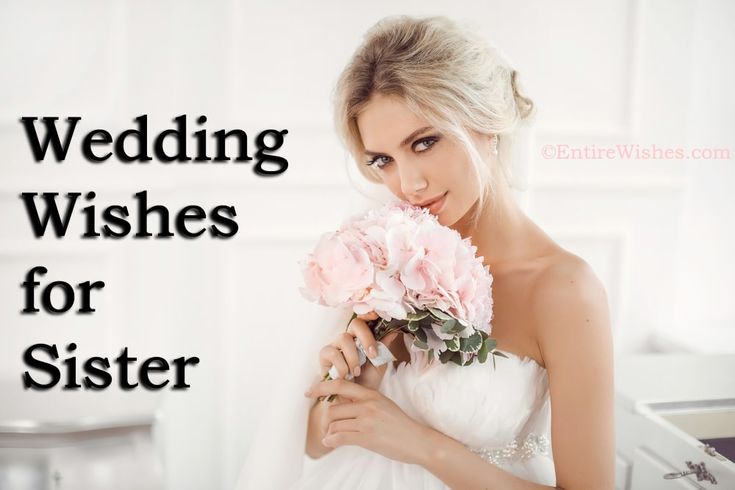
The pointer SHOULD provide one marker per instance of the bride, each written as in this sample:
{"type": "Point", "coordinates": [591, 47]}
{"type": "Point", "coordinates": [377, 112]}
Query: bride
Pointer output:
{"type": "Point", "coordinates": [435, 114]}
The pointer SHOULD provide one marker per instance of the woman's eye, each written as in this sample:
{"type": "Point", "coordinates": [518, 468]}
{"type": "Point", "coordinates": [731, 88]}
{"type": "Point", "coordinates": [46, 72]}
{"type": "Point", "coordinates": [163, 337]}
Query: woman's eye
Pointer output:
{"type": "Point", "coordinates": [379, 161]}
{"type": "Point", "coordinates": [421, 145]}
{"type": "Point", "coordinates": [426, 142]}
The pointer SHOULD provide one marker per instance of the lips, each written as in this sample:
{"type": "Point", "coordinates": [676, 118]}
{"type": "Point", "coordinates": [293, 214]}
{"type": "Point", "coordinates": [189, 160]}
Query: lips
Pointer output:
{"type": "Point", "coordinates": [429, 201]}
{"type": "Point", "coordinates": [436, 204]}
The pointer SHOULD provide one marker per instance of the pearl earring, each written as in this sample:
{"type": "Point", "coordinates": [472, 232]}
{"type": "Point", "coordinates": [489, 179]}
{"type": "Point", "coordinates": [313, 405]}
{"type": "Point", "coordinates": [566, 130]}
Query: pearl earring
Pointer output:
{"type": "Point", "coordinates": [494, 144]}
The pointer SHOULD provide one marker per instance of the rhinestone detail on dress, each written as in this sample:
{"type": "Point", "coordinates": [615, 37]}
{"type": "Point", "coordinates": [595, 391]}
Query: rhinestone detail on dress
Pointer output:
{"type": "Point", "coordinates": [516, 450]}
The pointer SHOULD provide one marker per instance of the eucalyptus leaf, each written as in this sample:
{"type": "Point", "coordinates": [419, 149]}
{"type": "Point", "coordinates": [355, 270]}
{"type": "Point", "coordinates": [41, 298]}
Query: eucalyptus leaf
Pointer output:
{"type": "Point", "coordinates": [499, 354]}
{"type": "Point", "coordinates": [482, 353]}
{"type": "Point", "coordinates": [419, 315]}
{"type": "Point", "coordinates": [421, 335]}
{"type": "Point", "coordinates": [445, 356]}
{"type": "Point", "coordinates": [452, 344]}
{"type": "Point", "coordinates": [448, 326]}
{"type": "Point", "coordinates": [457, 358]}
{"type": "Point", "coordinates": [471, 344]}
{"type": "Point", "coordinates": [439, 314]}
{"type": "Point", "coordinates": [420, 345]}
{"type": "Point", "coordinates": [413, 325]}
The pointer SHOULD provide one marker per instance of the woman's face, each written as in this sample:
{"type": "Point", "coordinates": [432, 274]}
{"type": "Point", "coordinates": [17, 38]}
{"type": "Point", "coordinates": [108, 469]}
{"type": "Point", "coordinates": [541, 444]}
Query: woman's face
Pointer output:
{"type": "Point", "coordinates": [416, 162]}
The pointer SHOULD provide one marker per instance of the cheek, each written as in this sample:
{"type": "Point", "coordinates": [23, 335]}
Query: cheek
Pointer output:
{"type": "Point", "coordinates": [447, 172]}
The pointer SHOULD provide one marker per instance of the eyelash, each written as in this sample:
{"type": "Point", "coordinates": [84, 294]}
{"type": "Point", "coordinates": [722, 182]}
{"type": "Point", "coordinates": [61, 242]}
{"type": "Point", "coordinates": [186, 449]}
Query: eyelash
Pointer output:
{"type": "Point", "coordinates": [433, 139]}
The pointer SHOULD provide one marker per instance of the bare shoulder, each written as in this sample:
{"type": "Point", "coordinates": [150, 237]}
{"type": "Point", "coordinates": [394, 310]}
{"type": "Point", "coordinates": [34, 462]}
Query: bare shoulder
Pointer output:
{"type": "Point", "coordinates": [569, 307]}
{"type": "Point", "coordinates": [566, 276]}
{"type": "Point", "coordinates": [572, 326]}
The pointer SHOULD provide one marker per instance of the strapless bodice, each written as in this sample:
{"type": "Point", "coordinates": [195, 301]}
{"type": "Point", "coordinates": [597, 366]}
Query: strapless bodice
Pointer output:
{"type": "Point", "coordinates": [501, 411]}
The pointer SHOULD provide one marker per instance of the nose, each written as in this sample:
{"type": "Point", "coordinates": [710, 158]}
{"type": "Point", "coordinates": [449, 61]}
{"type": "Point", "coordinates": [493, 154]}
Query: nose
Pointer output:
{"type": "Point", "coordinates": [413, 180]}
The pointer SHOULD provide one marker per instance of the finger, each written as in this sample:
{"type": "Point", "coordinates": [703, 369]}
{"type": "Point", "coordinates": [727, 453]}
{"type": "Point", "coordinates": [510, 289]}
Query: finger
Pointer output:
{"type": "Point", "coordinates": [344, 411]}
{"type": "Point", "coordinates": [341, 411]}
{"type": "Point", "coordinates": [344, 439]}
{"type": "Point", "coordinates": [368, 316]}
{"type": "Point", "coordinates": [361, 330]}
{"type": "Point", "coordinates": [347, 389]}
{"type": "Point", "coordinates": [344, 425]}
{"type": "Point", "coordinates": [331, 356]}
{"type": "Point", "coordinates": [346, 343]}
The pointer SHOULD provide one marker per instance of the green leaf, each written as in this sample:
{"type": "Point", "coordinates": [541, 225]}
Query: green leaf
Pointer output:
{"type": "Point", "coordinates": [499, 354]}
{"type": "Point", "coordinates": [439, 314]}
{"type": "Point", "coordinates": [420, 345]}
{"type": "Point", "coordinates": [413, 325]}
{"type": "Point", "coordinates": [452, 327]}
{"type": "Point", "coordinates": [491, 344]}
{"type": "Point", "coordinates": [482, 353]}
{"type": "Point", "coordinates": [452, 344]}
{"type": "Point", "coordinates": [471, 343]}
{"type": "Point", "coordinates": [419, 315]}
{"type": "Point", "coordinates": [421, 335]}
{"type": "Point", "coordinates": [445, 356]}
{"type": "Point", "coordinates": [448, 326]}
{"type": "Point", "coordinates": [431, 355]}
{"type": "Point", "coordinates": [457, 358]}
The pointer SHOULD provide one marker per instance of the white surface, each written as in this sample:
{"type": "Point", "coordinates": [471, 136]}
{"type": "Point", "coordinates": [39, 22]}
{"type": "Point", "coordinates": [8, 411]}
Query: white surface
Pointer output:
{"type": "Point", "coordinates": [673, 377]}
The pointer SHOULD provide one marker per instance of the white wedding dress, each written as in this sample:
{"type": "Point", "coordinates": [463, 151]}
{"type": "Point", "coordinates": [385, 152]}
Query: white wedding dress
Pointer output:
{"type": "Point", "coordinates": [502, 414]}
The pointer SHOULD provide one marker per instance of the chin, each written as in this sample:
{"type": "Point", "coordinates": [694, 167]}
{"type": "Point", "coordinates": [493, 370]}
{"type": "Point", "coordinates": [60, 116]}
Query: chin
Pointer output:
{"type": "Point", "coordinates": [446, 218]}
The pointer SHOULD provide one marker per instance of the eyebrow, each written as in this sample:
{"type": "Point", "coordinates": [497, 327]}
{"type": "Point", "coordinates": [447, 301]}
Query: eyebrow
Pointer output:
{"type": "Point", "coordinates": [406, 141]}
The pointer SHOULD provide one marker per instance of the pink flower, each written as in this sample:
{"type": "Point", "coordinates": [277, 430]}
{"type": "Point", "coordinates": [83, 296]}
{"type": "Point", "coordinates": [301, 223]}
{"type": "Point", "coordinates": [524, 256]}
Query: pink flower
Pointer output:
{"type": "Point", "coordinates": [397, 260]}
{"type": "Point", "coordinates": [338, 271]}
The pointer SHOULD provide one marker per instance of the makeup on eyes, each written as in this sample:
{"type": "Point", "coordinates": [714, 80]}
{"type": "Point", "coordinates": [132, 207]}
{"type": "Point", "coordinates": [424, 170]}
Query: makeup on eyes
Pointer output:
{"type": "Point", "coordinates": [434, 138]}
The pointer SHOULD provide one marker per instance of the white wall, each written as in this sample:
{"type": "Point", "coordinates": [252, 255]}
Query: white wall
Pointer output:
{"type": "Point", "coordinates": [658, 232]}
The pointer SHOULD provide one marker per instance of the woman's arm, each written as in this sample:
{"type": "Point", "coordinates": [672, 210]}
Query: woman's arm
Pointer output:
{"type": "Point", "coordinates": [570, 309]}
{"type": "Point", "coordinates": [459, 468]}
{"type": "Point", "coordinates": [574, 334]}
{"type": "Point", "coordinates": [370, 377]}
{"type": "Point", "coordinates": [315, 433]}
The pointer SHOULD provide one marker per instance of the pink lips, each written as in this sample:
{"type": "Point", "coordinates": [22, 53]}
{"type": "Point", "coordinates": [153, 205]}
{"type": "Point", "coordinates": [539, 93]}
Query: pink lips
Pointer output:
{"type": "Point", "coordinates": [436, 206]}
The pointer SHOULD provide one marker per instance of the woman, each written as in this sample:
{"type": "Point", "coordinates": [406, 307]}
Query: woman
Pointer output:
{"type": "Point", "coordinates": [431, 112]}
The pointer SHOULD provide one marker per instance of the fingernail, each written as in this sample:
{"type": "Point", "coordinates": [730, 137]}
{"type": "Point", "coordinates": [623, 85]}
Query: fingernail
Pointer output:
{"type": "Point", "coordinates": [357, 371]}
{"type": "Point", "coordinates": [372, 351]}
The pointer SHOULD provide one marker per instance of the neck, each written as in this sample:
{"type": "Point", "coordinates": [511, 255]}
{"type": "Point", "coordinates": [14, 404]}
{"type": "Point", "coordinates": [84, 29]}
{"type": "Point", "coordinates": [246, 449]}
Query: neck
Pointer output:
{"type": "Point", "coordinates": [504, 235]}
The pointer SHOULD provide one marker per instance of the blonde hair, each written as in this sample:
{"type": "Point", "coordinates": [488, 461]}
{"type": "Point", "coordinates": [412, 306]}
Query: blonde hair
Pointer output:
{"type": "Point", "coordinates": [444, 73]}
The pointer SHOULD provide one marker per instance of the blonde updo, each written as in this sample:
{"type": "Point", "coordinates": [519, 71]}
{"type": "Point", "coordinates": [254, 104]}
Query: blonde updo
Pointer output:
{"type": "Point", "coordinates": [446, 74]}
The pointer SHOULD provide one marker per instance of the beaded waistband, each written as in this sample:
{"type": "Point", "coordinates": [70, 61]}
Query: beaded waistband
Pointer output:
{"type": "Point", "coordinates": [518, 449]}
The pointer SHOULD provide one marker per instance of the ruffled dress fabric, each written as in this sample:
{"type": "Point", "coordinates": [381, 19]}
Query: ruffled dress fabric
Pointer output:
{"type": "Point", "coordinates": [502, 413]}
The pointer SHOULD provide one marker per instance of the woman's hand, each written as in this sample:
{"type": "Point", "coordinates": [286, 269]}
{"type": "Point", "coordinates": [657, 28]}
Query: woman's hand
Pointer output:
{"type": "Point", "coordinates": [342, 353]}
{"type": "Point", "coordinates": [367, 418]}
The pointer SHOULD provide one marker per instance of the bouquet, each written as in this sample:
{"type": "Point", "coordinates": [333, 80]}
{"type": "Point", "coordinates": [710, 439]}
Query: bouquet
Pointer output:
{"type": "Point", "coordinates": [418, 276]}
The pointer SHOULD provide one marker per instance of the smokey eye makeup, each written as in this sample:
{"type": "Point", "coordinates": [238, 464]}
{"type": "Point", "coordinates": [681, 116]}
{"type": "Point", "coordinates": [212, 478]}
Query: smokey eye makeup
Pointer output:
{"type": "Point", "coordinates": [380, 161]}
